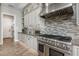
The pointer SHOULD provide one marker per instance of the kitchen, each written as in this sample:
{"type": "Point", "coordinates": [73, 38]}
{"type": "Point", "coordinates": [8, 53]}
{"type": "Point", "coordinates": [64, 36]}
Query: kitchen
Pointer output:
{"type": "Point", "coordinates": [50, 29]}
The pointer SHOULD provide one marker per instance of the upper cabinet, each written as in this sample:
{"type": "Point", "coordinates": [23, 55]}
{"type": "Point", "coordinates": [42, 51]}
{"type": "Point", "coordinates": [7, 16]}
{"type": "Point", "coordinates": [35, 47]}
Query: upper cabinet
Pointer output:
{"type": "Point", "coordinates": [33, 11]}
{"type": "Point", "coordinates": [30, 7]}
{"type": "Point", "coordinates": [32, 17]}
{"type": "Point", "coordinates": [75, 51]}
{"type": "Point", "coordinates": [76, 12]}
{"type": "Point", "coordinates": [76, 6]}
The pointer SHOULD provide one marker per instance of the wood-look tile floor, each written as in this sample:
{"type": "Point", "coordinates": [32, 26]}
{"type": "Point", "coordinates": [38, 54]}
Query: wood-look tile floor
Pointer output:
{"type": "Point", "coordinates": [10, 48]}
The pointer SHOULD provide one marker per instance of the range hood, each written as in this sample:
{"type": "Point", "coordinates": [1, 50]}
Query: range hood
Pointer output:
{"type": "Point", "coordinates": [51, 10]}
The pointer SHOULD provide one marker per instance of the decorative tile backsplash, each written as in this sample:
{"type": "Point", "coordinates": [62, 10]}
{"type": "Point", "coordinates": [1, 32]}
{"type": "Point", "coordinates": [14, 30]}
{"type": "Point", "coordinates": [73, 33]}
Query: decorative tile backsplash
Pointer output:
{"type": "Point", "coordinates": [62, 27]}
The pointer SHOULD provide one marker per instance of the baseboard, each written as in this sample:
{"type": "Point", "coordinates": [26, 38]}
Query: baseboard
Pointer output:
{"type": "Point", "coordinates": [16, 40]}
{"type": "Point", "coordinates": [1, 44]}
{"type": "Point", "coordinates": [7, 38]}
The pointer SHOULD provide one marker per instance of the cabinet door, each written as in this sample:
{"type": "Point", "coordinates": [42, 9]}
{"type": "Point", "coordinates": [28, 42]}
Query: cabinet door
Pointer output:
{"type": "Point", "coordinates": [28, 40]}
{"type": "Point", "coordinates": [77, 13]}
{"type": "Point", "coordinates": [35, 44]}
{"type": "Point", "coordinates": [21, 37]}
{"type": "Point", "coordinates": [78, 51]}
{"type": "Point", "coordinates": [75, 51]}
{"type": "Point", "coordinates": [32, 42]}
{"type": "Point", "coordinates": [25, 20]}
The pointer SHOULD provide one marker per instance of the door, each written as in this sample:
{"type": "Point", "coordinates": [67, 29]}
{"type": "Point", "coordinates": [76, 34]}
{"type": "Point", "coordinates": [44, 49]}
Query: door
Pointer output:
{"type": "Point", "coordinates": [51, 51]}
{"type": "Point", "coordinates": [8, 28]}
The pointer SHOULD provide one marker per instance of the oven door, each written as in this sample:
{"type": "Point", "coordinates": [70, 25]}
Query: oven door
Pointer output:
{"type": "Point", "coordinates": [52, 51]}
{"type": "Point", "coordinates": [41, 49]}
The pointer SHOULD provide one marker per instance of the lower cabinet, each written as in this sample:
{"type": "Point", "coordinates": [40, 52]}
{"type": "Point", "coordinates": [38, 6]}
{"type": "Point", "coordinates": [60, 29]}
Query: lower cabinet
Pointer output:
{"type": "Point", "coordinates": [35, 45]}
{"type": "Point", "coordinates": [21, 37]}
{"type": "Point", "coordinates": [75, 50]}
{"type": "Point", "coordinates": [31, 41]}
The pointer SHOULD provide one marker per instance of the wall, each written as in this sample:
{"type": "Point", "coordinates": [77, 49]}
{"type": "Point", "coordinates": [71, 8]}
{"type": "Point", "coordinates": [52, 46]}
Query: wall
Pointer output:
{"type": "Point", "coordinates": [9, 10]}
{"type": "Point", "coordinates": [0, 22]}
{"type": "Point", "coordinates": [17, 13]}
{"type": "Point", "coordinates": [66, 27]}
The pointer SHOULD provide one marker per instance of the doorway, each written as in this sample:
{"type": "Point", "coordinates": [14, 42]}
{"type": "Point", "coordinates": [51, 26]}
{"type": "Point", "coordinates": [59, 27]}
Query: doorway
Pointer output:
{"type": "Point", "coordinates": [8, 29]}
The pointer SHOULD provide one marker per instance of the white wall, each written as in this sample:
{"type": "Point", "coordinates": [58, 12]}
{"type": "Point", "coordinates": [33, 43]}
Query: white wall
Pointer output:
{"type": "Point", "coordinates": [18, 15]}
{"type": "Point", "coordinates": [0, 23]}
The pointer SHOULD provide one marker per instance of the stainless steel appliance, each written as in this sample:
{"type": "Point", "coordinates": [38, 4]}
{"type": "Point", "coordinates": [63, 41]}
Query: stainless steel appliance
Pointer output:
{"type": "Point", "coordinates": [51, 10]}
{"type": "Point", "coordinates": [53, 47]}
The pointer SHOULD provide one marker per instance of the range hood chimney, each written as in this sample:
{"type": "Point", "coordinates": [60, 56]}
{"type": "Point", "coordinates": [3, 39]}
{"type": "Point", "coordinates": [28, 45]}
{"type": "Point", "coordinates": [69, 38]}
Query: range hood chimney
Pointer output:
{"type": "Point", "coordinates": [50, 10]}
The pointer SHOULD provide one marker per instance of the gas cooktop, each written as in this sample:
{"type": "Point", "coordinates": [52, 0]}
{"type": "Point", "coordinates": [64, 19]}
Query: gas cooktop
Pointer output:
{"type": "Point", "coordinates": [57, 37]}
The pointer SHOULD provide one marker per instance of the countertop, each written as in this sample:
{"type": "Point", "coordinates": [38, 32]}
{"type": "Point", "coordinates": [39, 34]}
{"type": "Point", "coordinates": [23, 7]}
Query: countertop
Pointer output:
{"type": "Point", "coordinates": [74, 41]}
{"type": "Point", "coordinates": [27, 34]}
{"type": "Point", "coordinates": [57, 37]}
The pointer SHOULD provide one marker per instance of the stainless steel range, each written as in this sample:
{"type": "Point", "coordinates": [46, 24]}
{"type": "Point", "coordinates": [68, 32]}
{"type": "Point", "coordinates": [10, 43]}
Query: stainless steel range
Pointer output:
{"type": "Point", "coordinates": [51, 45]}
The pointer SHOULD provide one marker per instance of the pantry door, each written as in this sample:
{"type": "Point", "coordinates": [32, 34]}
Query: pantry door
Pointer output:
{"type": "Point", "coordinates": [8, 28]}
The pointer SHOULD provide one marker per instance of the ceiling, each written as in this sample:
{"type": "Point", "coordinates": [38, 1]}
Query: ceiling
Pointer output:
{"type": "Point", "coordinates": [18, 6]}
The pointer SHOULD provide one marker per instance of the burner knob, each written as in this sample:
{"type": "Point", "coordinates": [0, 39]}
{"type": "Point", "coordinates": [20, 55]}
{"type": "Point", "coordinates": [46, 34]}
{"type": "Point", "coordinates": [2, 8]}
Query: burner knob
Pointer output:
{"type": "Point", "coordinates": [68, 48]}
{"type": "Point", "coordinates": [61, 45]}
{"type": "Point", "coordinates": [64, 46]}
{"type": "Point", "coordinates": [53, 43]}
{"type": "Point", "coordinates": [49, 41]}
{"type": "Point", "coordinates": [57, 44]}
